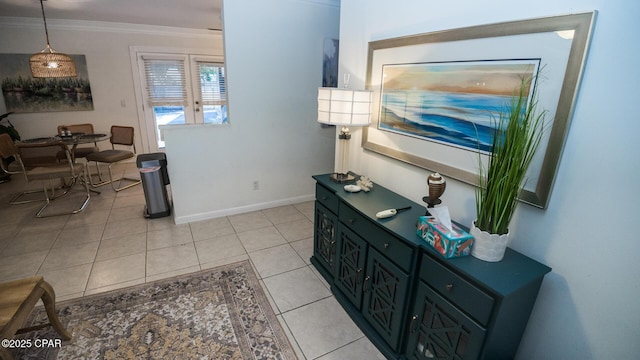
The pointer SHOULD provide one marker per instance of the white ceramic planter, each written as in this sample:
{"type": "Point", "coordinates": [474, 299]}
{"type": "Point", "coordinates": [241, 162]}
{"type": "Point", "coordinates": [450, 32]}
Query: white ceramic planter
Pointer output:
{"type": "Point", "coordinates": [486, 246]}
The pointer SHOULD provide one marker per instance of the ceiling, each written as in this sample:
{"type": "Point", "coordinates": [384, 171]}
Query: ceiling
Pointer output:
{"type": "Point", "coordinates": [193, 14]}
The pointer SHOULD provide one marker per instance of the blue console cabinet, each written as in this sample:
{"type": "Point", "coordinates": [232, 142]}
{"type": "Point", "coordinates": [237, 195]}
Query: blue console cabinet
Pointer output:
{"type": "Point", "coordinates": [410, 301]}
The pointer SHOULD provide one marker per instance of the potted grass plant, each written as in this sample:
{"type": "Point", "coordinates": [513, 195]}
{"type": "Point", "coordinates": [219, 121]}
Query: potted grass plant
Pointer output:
{"type": "Point", "coordinates": [518, 132]}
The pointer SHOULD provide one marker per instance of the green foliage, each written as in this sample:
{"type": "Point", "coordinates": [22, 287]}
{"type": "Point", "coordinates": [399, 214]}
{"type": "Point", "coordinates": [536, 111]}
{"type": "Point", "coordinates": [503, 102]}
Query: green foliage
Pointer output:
{"type": "Point", "coordinates": [23, 94]}
{"type": "Point", "coordinates": [519, 129]}
{"type": "Point", "coordinates": [9, 129]}
{"type": "Point", "coordinates": [45, 86]}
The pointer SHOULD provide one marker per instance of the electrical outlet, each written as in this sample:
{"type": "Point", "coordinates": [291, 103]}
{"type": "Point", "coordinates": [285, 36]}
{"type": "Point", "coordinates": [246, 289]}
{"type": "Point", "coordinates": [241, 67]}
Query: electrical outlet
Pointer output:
{"type": "Point", "coordinates": [256, 185]}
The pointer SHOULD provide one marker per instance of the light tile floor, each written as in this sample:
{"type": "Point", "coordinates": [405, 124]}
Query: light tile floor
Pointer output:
{"type": "Point", "coordinates": [110, 245]}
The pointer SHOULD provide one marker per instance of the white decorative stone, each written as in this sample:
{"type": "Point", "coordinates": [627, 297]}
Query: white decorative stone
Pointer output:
{"type": "Point", "coordinates": [486, 246]}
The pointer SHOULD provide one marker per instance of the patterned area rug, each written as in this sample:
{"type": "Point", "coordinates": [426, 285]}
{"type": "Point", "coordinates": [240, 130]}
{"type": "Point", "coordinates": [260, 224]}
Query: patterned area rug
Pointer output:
{"type": "Point", "coordinates": [220, 313]}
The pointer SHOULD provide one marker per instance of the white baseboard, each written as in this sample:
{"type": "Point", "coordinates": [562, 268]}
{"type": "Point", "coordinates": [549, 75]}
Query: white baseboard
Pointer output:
{"type": "Point", "coordinates": [183, 219]}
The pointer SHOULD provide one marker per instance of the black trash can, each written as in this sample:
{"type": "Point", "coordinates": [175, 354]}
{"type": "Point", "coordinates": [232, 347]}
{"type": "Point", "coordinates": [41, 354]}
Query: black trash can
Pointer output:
{"type": "Point", "coordinates": [155, 178]}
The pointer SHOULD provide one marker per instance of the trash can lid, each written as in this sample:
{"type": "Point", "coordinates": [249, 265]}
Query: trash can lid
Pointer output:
{"type": "Point", "coordinates": [149, 169]}
{"type": "Point", "coordinates": [151, 159]}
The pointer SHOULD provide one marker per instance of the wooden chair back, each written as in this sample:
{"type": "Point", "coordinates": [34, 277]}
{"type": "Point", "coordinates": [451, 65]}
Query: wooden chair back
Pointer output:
{"type": "Point", "coordinates": [7, 147]}
{"type": "Point", "coordinates": [42, 154]}
{"type": "Point", "coordinates": [122, 135]}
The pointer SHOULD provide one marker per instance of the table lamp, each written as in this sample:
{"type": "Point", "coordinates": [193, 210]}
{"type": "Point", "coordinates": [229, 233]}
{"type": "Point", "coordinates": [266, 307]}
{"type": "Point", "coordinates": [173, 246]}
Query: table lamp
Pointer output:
{"type": "Point", "coordinates": [344, 107]}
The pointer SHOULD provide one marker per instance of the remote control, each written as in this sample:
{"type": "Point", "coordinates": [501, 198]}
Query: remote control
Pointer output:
{"type": "Point", "coordinates": [390, 212]}
{"type": "Point", "coordinates": [386, 213]}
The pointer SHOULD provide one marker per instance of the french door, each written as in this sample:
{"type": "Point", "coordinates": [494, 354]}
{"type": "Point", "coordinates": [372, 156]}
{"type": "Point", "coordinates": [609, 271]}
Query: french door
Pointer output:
{"type": "Point", "coordinates": [180, 89]}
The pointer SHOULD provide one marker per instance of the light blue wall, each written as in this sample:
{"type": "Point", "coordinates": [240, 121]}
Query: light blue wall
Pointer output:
{"type": "Point", "coordinates": [273, 59]}
{"type": "Point", "coordinates": [588, 306]}
{"type": "Point", "coordinates": [273, 53]}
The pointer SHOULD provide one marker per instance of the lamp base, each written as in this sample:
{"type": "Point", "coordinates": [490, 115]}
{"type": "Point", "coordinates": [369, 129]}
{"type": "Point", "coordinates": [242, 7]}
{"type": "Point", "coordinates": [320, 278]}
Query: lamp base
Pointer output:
{"type": "Point", "coordinates": [342, 178]}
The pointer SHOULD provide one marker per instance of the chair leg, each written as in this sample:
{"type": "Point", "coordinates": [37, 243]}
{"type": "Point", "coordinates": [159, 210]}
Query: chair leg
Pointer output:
{"type": "Point", "coordinates": [112, 181]}
{"type": "Point", "coordinates": [49, 300]}
{"type": "Point", "coordinates": [101, 181]}
{"type": "Point", "coordinates": [40, 212]}
{"type": "Point", "coordinates": [99, 173]}
{"type": "Point", "coordinates": [47, 201]}
{"type": "Point", "coordinates": [15, 200]}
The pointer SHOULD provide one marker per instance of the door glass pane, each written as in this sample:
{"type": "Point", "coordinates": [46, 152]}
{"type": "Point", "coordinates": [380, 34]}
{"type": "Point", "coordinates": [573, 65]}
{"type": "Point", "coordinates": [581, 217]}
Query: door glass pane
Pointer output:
{"type": "Point", "coordinates": [167, 115]}
{"type": "Point", "coordinates": [181, 89]}
{"type": "Point", "coordinates": [213, 92]}
{"type": "Point", "coordinates": [215, 114]}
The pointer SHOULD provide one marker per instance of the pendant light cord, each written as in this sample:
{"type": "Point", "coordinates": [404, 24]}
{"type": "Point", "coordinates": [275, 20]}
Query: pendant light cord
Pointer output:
{"type": "Point", "coordinates": [46, 32]}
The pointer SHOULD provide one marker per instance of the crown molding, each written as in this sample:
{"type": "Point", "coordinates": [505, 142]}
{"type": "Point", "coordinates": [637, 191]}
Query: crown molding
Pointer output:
{"type": "Point", "coordinates": [109, 27]}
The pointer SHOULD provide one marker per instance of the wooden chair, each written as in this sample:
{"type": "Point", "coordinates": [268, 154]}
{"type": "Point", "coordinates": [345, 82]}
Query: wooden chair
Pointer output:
{"type": "Point", "coordinates": [8, 155]}
{"type": "Point", "coordinates": [123, 136]}
{"type": "Point", "coordinates": [80, 151]}
{"type": "Point", "coordinates": [17, 300]}
{"type": "Point", "coordinates": [9, 164]}
{"type": "Point", "coordinates": [41, 162]}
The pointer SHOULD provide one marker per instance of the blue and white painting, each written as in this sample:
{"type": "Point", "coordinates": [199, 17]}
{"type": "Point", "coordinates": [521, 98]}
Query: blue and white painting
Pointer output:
{"type": "Point", "coordinates": [453, 103]}
{"type": "Point", "coordinates": [330, 63]}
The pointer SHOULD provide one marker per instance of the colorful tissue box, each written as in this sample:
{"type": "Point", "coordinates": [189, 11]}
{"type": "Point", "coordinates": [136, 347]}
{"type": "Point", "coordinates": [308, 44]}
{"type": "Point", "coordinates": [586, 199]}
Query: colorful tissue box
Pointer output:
{"type": "Point", "coordinates": [450, 244]}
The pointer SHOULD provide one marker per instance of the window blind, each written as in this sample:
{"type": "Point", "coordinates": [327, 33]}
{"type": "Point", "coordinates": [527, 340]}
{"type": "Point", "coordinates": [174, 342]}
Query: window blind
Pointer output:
{"type": "Point", "coordinates": [166, 83]}
{"type": "Point", "coordinates": [213, 87]}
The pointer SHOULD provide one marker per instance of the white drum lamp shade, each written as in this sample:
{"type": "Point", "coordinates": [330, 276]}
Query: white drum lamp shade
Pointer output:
{"type": "Point", "coordinates": [344, 107]}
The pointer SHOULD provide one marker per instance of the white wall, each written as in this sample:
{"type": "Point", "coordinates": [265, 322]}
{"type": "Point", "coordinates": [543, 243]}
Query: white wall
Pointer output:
{"type": "Point", "coordinates": [273, 56]}
{"type": "Point", "coordinates": [588, 306]}
{"type": "Point", "coordinates": [106, 48]}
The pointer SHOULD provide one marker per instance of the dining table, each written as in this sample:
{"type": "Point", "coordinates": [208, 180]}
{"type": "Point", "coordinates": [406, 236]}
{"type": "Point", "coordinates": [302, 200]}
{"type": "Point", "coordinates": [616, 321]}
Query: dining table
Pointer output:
{"type": "Point", "coordinates": [72, 140]}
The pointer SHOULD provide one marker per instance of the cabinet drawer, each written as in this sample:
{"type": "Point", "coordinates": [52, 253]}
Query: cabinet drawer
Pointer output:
{"type": "Point", "coordinates": [388, 245]}
{"type": "Point", "coordinates": [327, 198]}
{"type": "Point", "coordinates": [459, 291]}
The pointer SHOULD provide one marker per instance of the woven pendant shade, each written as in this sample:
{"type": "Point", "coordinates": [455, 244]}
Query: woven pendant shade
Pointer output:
{"type": "Point", "coordinates": [51, 64]}
{"type": "Point", "coordinates": [48, 63]}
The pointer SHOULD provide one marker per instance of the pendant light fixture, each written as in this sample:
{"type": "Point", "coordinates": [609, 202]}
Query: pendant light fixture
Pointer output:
{"type": "Point", "coordinates": [48, 63]}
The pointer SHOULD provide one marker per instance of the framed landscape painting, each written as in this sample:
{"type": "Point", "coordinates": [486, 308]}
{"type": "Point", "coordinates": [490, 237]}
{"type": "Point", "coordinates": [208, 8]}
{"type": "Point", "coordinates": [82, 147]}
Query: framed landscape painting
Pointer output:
{"type": "Point", "coordinates": [25, 94]}
{"type": "Point", "coordinates": [435, 94]}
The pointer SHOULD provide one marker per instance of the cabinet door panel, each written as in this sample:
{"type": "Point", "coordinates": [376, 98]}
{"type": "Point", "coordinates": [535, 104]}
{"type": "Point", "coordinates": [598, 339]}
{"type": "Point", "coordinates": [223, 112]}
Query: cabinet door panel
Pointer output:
{"type": "Point", "coordinates": [385, 289]}
{"type": "Point", "coordinates": [324, 239]}
{"type": "Point", "coordinates": [439, 331]}
{"type": "Point", "coordinates": [352, 254]}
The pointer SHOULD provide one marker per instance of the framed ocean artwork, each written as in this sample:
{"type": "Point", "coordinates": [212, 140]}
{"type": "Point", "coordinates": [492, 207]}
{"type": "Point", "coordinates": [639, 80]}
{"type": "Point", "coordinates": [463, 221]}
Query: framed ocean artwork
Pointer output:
{"type": "Point", "coordinates": [451, 103]}
{"type": "Point", "coordinates": [435, 94]}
